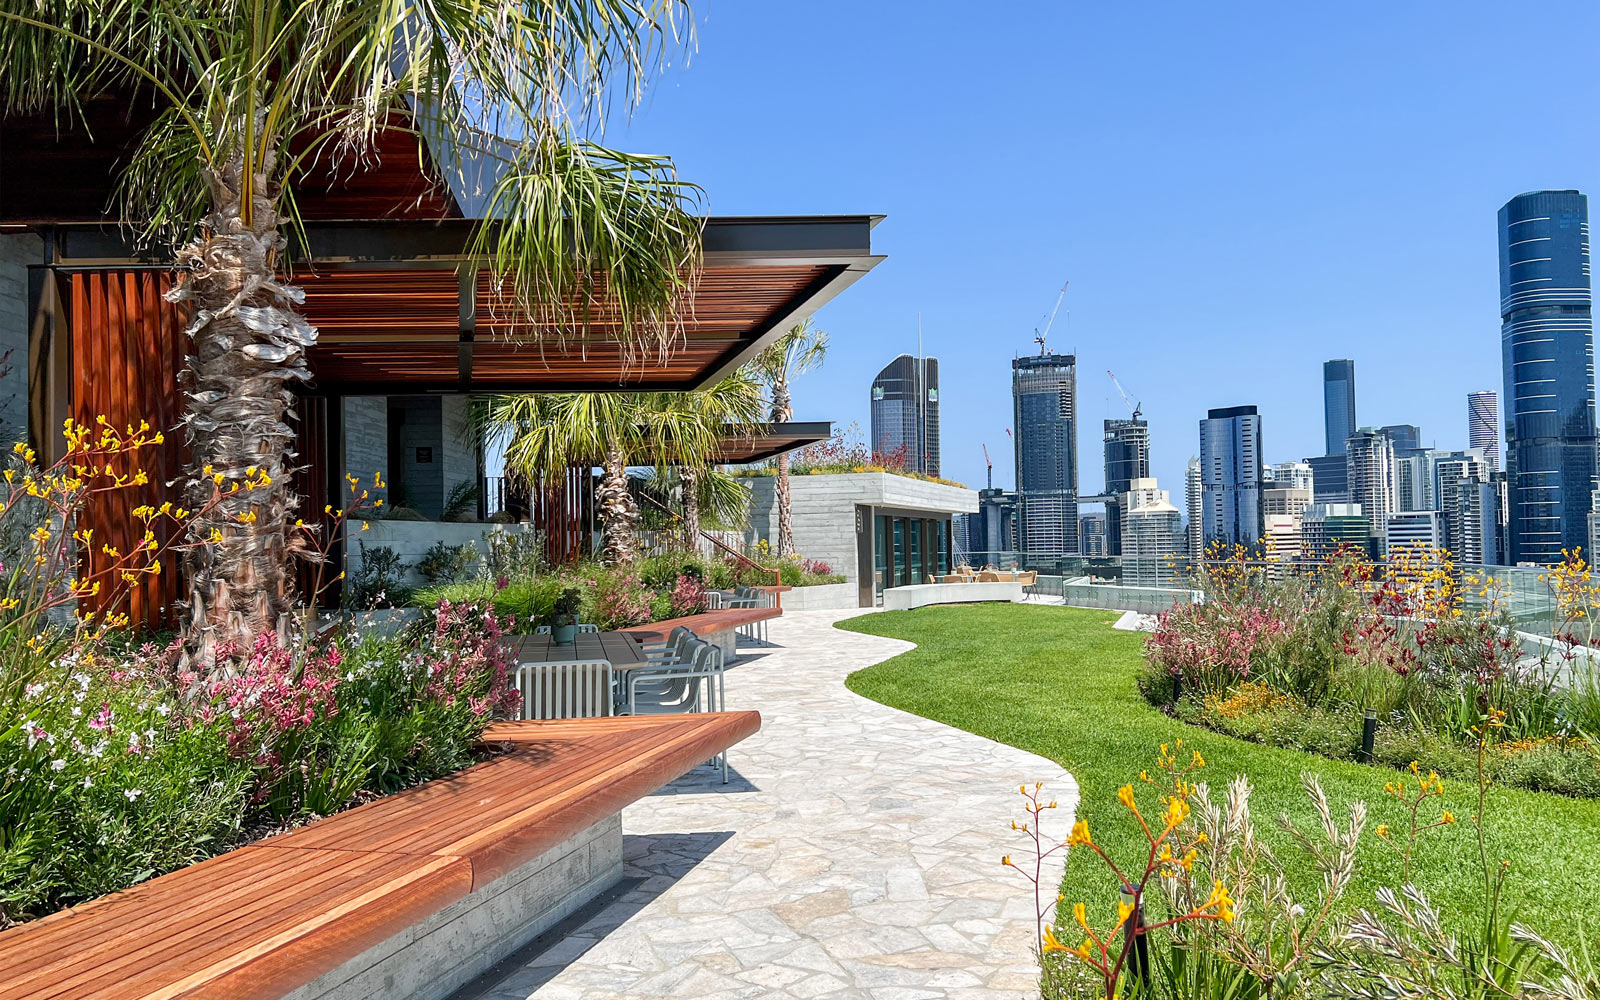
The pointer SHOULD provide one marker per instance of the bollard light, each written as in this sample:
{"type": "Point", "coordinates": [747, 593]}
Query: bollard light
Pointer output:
{"type": "Point", "coordinates": [1369, 734]}
{"type": "Point", "coordinates": [1139, 943]}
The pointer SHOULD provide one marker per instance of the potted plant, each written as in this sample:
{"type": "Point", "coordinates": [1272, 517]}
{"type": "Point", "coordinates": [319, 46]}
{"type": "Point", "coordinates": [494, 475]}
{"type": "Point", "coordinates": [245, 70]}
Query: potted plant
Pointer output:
{"type": "Point", "coordinates": [564, 616]}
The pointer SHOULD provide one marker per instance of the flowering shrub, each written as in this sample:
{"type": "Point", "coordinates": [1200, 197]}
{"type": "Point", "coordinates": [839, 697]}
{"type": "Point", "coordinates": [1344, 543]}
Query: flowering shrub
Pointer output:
{"type": "Point", "coordinates": [1295, 660]}
{"type": "Point", "coordinates": [818, 567]}
{"type": "Point", "coordinates": [688, 596]}
{"type": "Point", "coordinates": [620, 602]}
{"type": "Point", "coordinates": [1199, 901]}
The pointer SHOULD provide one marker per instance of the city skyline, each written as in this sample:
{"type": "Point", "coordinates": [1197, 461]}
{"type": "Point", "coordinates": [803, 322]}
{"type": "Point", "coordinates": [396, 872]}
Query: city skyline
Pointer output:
{"type": "Point", "coordinates": [1267, 262]}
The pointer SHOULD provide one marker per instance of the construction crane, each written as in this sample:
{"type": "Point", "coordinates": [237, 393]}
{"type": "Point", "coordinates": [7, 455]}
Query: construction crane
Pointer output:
{"type": "Point", "coordinates": [1038, 338]}
{"type": "Point", "coordinates": [1131, 403]}
{"type": "Point", "coordinates": [989, 478]}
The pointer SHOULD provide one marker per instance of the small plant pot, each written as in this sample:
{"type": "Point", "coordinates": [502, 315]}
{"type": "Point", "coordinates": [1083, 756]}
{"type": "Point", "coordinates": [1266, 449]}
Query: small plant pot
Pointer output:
{"type": "Point", "coordinates": [564, 635]}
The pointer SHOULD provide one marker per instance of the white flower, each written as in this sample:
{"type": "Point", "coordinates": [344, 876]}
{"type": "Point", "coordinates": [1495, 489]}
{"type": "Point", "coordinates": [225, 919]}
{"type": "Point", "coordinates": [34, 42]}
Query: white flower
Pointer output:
{"type": "Point", "coordinates": [34, 690]}
{"type": "Point", "coordinates": [76, 712]}
{"type": "Point", "coordinates": [59, 764]}
{"type": "Point", "coordinates": [88, 782]}
{"type": "Point", "coordinates": [163, 710]}
{"type": "Point", "coordinates": [132, 793]}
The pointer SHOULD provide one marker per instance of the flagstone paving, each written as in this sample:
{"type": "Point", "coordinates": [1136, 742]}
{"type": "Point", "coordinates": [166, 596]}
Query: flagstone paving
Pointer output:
{"type": "Point", "coordinates": [854, 853]}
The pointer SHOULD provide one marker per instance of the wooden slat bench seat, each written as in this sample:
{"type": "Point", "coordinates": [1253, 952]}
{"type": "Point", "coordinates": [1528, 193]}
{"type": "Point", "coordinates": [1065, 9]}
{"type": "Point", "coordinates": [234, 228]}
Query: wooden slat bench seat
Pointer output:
{"type": "Point", "coordinates": [266, 919]}
{"type": "Point", "coordinates": [706, 624]}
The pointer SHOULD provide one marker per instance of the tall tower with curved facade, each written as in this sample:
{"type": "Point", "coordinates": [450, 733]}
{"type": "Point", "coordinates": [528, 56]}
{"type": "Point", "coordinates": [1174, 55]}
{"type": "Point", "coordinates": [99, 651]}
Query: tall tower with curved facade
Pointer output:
{"type": "Point", "coordinates": [1547, 354]}
{"type": "Point", "coordinates": [1483, 419]}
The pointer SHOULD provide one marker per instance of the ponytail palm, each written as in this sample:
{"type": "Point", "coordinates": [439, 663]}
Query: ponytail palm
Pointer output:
{"type": "Point", "coordinates": [248, 94]}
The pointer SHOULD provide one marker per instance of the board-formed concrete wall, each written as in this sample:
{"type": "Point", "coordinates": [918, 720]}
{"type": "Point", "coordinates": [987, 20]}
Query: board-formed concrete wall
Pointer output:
{"type": "Point", "coordinates": [823, 510]}
{"type": "Point", "coordinates": [437, 956]}
{"type": "Point", "coordinates": [17, 251]}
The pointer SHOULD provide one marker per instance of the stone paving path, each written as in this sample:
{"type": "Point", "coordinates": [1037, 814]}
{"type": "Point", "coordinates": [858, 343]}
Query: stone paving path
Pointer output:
{"type": "Point", "coordinates": [854, 853]}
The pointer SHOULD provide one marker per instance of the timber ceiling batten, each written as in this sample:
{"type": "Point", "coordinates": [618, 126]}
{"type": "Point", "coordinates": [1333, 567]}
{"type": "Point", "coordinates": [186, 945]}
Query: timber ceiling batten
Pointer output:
{"type": "Point", "coordinates": [401, 307]}
{"type": "Point", "coordinates": [417, 327]}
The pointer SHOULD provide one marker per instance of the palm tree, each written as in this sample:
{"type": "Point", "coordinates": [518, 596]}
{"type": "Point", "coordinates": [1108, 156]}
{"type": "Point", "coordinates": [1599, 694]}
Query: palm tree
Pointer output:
{"type": "Point", "coordinates": [685, 429]}
{"type": "Point", "coordinates": [544, 434]}
{"type": "Point", "coordinates": [250, 93]}
{"type": "Point", "coordinates": [802, 349]}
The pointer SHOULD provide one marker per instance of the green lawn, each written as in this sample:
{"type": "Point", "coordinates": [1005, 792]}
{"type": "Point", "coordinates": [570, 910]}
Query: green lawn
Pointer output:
{"type": "Point", "coordinates": [1060, 682]}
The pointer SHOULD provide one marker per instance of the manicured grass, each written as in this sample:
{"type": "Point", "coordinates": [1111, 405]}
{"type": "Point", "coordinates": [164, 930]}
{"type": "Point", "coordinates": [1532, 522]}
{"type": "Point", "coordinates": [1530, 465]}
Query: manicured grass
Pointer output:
{"type": "Point", "coordinates": [1059, 682]}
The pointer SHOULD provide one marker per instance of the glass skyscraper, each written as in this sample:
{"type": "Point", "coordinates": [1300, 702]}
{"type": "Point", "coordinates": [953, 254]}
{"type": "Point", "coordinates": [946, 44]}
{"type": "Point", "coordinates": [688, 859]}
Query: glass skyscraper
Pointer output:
{"type": "Point", "coordinates": [1547, 354]}
{"type": "Point", "coordinates": [1044, 391]}
{"type": "Point", "coordinates": [905, 412]}
{"type": "Point", "coordinates": [1231, 472]}
{"type": "Point", "coordinates": [1338, 403]}
{"type": "Point", "coordinates": [1127, 459]}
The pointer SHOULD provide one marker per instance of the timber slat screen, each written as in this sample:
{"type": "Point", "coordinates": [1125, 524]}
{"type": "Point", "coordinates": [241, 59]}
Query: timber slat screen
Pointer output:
{"type": "Point", "coordinates": [262, 920]}
{"type": "Point", "coordinates": [126, 350]}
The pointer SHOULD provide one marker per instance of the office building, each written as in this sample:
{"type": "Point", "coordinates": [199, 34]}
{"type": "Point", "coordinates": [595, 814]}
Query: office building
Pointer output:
{"type": "Point", "coordinates": [1194, 541]}
{"type": "Point", "coordinates": [1483, 425]}
{"type": "Point", "coordinates": [1413, 480]}
{"type": "Point", "coordinates": [905, 413]}
{"type": "Point", "coordinates": [1468, 500]}
{"type": "Point", "coordinates": [1281, 542]}
{"type": "Point", "coordinates": [1594, 529]}
{"type": "Point", "coordinates": [1404, 439]}
{"type": "Point", "coordinates": [1329, 478]}
{"type": "Point", "coordinates": [1231, 475]}
{"type": "Point", "coordinates": [1044, 390]}
{"type": "Point", "coordinates": [1280, 501]}
{"type": "Point", "coordinates": [1369, 471]}
{"type": "Point", "coordinates": [1152, 540]}
{"type": "Point", "coordinates": [1416, 531]}
{"type": "Point", "coordinates": [1127, 458]}
{"type": "Point", "coordinates": [1547, 358]}
{"type": "Point", "coordinates": [1092, 534]}
{"type": "Point", "coordinates": [992, 529]}
{"type": "Point", "coordinates": [1291, 475]}
{"type": "Point", "coordinates": [1338, 403]}
{"type": "Point", "coordinates": [1327, 528]}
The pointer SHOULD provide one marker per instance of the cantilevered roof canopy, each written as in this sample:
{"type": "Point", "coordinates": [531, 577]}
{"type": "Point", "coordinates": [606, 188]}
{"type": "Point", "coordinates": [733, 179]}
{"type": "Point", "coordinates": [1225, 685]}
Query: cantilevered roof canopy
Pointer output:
{"type": "Point", "coordinates": [772, 440]}
{"type": "Point", "coordinates": [398, 313]}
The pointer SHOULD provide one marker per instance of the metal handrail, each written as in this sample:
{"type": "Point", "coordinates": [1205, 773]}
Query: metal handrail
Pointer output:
{"type": "Point", "coordinates": [743, 560]}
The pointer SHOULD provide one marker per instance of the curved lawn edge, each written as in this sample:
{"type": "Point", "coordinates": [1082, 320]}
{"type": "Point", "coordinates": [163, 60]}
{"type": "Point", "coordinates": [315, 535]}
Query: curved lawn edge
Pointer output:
{"type": "Point", "coordinates": [1060, 682]}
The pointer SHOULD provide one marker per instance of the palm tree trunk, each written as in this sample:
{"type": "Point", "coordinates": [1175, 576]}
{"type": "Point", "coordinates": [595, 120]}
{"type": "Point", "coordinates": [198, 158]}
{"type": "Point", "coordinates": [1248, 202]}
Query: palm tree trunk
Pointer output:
{"type": "Point", "coordinates": [782, 412]}
{"type": "Point", "coordinates": [248, 342]}
{"type": "Point", "coordinates": [618, 511]}
{"type": "Point", "coordinates": [785, 521]}
{"type": "Point", "coordinates": [689, 487]}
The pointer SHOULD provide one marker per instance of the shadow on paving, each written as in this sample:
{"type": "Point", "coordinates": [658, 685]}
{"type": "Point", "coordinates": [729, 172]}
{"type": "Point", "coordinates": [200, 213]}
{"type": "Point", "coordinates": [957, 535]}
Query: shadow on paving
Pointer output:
{"type": "Point", "coordinates": [651, 864]}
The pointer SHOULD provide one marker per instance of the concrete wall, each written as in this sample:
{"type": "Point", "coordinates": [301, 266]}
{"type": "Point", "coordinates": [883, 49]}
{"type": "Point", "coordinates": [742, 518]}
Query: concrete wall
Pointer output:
{"type": "Point", "coordinates": [366, 439]}
{"type": "Point", "coordinates": [923, 594]}
{"type": "Point", "coordinates": [17, 251]}
{"type": "Point", "coordinates": [411, 539]}
{"type": "Point", "coordinates": [437, 956]}
{"type": "Point", "coordinates": [827, 596]}
{"type": "Point", "coordinates": [823, 509]}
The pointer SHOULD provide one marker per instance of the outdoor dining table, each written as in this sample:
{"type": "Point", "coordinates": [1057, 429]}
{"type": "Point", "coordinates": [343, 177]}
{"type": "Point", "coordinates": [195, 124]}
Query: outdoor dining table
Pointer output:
{"type": "Point", "coordinates": [620, 648]}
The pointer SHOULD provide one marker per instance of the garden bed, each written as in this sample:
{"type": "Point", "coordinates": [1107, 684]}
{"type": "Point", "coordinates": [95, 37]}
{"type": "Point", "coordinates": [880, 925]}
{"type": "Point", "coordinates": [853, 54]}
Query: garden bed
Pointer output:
{"type": "Point", "coordinates": [1302, 662]}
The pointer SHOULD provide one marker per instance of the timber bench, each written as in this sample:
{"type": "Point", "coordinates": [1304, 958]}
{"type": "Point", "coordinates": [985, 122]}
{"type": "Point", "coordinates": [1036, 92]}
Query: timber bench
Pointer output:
{"type": "Point", "coordinates": [718, 627]}
{"type": "Point", "coordinates": [410, 896]}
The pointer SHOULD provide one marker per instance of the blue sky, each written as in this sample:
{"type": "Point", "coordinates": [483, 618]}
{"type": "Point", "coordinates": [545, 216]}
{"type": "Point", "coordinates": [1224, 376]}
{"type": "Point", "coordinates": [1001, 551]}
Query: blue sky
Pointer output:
{"type": "Point", "coordinates": [1236, 193]}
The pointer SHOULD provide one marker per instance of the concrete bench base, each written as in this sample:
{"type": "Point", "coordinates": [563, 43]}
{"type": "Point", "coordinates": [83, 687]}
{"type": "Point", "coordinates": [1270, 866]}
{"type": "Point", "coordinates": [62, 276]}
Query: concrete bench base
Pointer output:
{"type": "Point", "coordinates": [432, 959]}
{"type": "Point", "coordinates": [923, 594]}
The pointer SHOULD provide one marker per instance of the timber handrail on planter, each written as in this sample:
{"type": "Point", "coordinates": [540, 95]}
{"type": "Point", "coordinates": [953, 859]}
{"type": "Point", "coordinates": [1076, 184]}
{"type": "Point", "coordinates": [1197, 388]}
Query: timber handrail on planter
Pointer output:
{"type": "Point", "coordinates": [263, 920]}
